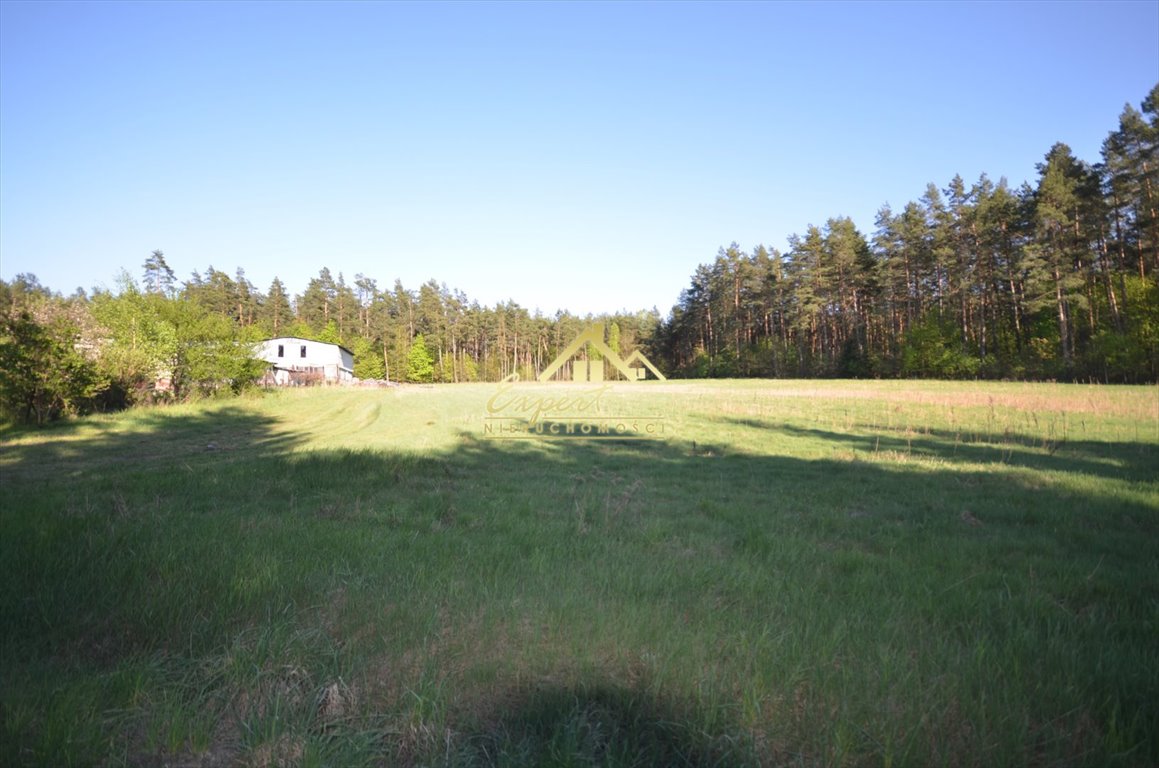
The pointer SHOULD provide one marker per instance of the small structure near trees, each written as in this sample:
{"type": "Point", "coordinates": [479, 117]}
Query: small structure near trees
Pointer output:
{"type": "Point", "coordinates": [295, 361]}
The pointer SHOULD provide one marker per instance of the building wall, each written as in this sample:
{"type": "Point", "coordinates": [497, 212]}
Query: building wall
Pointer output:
{"type": "Point", "coordinates": [336, 363]}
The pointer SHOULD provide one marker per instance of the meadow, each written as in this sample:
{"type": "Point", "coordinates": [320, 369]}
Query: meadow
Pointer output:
{"type": "Point", "coordinates": [795, 573]}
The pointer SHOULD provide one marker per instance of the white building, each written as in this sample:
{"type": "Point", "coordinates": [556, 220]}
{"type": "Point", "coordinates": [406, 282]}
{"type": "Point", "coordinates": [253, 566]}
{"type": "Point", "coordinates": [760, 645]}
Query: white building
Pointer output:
{"type": "Point", "coordinates": [303, 361]}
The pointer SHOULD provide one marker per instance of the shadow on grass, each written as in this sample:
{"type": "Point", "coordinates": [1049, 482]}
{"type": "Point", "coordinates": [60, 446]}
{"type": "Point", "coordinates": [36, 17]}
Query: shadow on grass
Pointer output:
{"type": "Point", "coordinates": [169, 534]}
{"type": "Point", "coordinates": [1122, 460]}
{"type": "Point", "coordinates": [158, 438]}
{"type": "Point", "coordinates": [598, 725]}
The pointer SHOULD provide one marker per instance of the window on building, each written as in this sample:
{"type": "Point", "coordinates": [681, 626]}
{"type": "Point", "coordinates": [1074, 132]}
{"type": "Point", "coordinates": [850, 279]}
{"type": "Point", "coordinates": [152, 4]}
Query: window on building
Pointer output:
{"type": "Point", "coordinates": [281, 351]}
{"type": "Point", "coordinates": [303, 350]}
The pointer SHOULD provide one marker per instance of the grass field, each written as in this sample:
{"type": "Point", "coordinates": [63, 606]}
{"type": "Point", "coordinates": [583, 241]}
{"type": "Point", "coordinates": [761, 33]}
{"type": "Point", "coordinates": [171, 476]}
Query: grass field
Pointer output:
{"type": "Point", "coordinates": [800, 573]}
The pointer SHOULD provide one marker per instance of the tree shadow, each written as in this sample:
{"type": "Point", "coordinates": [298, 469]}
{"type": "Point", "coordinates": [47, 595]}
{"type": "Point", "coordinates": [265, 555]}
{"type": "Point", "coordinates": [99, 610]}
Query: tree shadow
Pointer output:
{"type": "Point", "coordinates": [1132, 461]}
{"type": "Point", "coordinates": [157, 437]}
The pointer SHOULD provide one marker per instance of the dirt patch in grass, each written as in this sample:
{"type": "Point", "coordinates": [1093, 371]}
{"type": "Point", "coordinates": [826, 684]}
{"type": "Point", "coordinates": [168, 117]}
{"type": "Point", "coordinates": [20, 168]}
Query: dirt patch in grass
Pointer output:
{"type": "Point", "coordinates": [283, 752]}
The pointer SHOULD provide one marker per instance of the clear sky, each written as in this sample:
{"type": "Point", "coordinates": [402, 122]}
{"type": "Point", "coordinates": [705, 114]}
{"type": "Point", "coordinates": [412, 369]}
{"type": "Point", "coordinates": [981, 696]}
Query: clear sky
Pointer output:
{"type": "Point", "coordinates": [585, 156]}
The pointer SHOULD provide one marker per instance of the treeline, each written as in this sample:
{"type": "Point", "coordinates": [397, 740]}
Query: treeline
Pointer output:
{"type": "Point", "coordinates": [162, 339]}
{"type": "Point", "coordinates": [1052, 281]}
{"type": "Point", "coordinates": [464, 340]}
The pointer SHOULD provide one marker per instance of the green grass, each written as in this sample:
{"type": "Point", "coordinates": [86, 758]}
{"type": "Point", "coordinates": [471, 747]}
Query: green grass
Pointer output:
{"type": "Point", "coordinates": [804, 573]}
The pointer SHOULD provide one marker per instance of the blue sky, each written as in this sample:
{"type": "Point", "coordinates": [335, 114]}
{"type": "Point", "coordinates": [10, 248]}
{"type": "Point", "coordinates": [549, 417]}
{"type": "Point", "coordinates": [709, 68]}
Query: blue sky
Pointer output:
{"type": "Point", "coordinates": [585, 156]}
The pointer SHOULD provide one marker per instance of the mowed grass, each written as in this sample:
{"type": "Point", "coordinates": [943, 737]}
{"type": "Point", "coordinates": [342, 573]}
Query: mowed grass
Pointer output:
{"type": "Point", "coordinates": [801, 573]}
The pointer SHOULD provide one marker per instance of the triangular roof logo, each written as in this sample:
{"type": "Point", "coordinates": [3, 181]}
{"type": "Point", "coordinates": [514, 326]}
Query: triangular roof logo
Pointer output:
{"type": "Point", "coordinates": [593, 370]}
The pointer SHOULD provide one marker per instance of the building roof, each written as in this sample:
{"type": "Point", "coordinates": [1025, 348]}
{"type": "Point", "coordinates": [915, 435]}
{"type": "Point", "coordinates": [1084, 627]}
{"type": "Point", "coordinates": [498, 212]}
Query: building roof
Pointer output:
{"type": "Point", "coordinates": [312, 341]}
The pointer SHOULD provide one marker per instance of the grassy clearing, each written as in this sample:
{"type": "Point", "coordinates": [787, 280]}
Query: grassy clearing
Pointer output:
{"type": "Point", "coordinates": [804, 573]}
